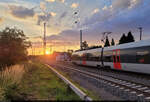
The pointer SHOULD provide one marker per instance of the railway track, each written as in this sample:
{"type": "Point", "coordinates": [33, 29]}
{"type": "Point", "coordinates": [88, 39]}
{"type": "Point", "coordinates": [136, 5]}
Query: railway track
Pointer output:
{"type": "Point", "coordinates": [128, 76]}
{"type": "Point", "coordinates": [128, 90]}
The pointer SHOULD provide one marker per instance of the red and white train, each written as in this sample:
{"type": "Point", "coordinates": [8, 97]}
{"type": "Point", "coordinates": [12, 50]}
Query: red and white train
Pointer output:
{"type": "Point", "coordinates": [133, 57]}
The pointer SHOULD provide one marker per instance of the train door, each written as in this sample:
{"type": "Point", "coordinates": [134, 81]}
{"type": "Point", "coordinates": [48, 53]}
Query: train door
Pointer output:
{"type": "Point", "coordinates": [84, 59]}
{"type": "Point", "coordinates": [116, 59]}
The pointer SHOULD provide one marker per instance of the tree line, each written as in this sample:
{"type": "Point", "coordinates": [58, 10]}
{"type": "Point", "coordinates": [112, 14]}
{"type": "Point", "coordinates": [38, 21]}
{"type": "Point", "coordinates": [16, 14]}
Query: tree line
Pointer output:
{"type": "Point", "coordinates": [123, 39]}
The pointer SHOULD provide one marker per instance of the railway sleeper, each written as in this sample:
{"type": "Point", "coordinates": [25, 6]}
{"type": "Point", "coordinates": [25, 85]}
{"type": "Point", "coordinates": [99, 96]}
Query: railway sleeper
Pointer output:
{"type": "Point", "coordinates": [140, 98]}
{"type": "Point", "coordinates": [135, 87]}
{"type": "Point", "coordinates": [132, 96]}
{"type": "Point", "coordinates": [143, 88]}
{"type": "Point", "coordinates": [147, 91]}
{"type": "Point", "coordinates": [147, 99]}
{"type": "Point", "coordinates": [123, 93]}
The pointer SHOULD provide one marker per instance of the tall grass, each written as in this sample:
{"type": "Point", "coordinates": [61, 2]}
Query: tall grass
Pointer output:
{"type": "Point", "coordinates": [10, 76]}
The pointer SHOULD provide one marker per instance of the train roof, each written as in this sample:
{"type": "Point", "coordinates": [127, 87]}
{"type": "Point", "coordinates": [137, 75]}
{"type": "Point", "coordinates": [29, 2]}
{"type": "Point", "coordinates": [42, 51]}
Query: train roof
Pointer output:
{"type": "Point", "coordinates": [91, 50]}
{"type": "Point", "coordinates": [129, 45]}
{"type": "Point", "coordinates": [121, 46]}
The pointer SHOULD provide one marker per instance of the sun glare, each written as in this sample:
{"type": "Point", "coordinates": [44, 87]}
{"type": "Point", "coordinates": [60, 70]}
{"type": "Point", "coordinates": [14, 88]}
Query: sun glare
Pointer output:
{"type": "Point", "coordinates": [47, 52]}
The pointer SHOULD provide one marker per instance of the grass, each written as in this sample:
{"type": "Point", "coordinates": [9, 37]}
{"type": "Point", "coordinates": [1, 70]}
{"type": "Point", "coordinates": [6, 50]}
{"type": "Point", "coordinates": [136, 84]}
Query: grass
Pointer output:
{"type": "Point", "coordinates": [9, 78]}
{"type": "Point", "coordinates": [89, 93]}
{"type": "Point", "coordinates": [39, 83]}
{"type": "Point", "coordinates": [33, 81]}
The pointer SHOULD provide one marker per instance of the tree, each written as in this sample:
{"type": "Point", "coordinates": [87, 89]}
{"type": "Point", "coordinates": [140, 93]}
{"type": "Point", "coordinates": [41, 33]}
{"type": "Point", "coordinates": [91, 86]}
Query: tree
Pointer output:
{"type": "Point", "coordinates": [13, 46]}
{"type": "Point", "coordinates": [94, 46]}
{"type": "Point", "coordinates": [123, 39]}
{"type": "Point", "coordinates": [112, 42]}
{"type": "Point", "coordinates": [130, 37]}
{"type": "Point", "coordinates": [107, 42]}
{"type": "Point", "coordinates": [84, 45]}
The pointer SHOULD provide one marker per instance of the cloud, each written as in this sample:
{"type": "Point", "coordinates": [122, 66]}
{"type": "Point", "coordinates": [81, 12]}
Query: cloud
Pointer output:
{"type": "Point", "coordinates": [65, 35]}
{"type": "Point", "coordinates": [45, 17]}
{"type": "Point", "coordinates": [68, 37]}
{"type": "Point", "coordinates": [95, 11]}
{"type": "Point", "coordinates": [119, 17]}
{"type": "Point", "coordinates": [63, 15]}
{"type": "Point", "coordinates": [72, 37]}
{"type": "Point", "coordinates": [43, 6]}
{"type": "Point", "coordinates": [62, 1]}
{"type": "Point", "coordinates": [125, 4]}
{"type": "Point", "coordinates": [105, 8]}
{"type": "Point", "coordinates": [74, 5]}
{"type": "Point", "coordinates": [1, 19]}
{"type": "Point", "coordinates": [121, 4]}
{"type": "Point", "coordinates": [21, 12]}
{"type": "Point", "coordinates": [135, 3]}
{"type": "Point", "coordinates": [53, 14]}
{"type": "Point", "coordinates": [50, 0]}
{"type": "Point", "coordinates": [118, 7]}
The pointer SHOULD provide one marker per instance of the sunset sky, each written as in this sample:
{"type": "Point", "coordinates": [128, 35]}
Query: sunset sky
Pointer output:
{"type": "Point", "coordinates": [92, 16]}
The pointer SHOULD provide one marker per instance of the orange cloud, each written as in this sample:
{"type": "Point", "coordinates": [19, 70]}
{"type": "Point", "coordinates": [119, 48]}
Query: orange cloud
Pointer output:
{"type": "Point", "coordinates": [50, 0]}
{"type": "Point", "coordinates": [53, 14]}
{"type": "Point", "coordinates": [1, 20]}
{"type": "Point", "coordinates": [62, 1]}
{"type": "Point", "coordinates": [74, 5]}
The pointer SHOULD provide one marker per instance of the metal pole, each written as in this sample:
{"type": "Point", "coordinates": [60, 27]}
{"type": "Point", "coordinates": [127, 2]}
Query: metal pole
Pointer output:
{"type": "Point", "coordinates": [81, 39]}
{"type": "Point", "coordinates": [44, 42]}
{"type": "Point", "coordinates": [140, 32]}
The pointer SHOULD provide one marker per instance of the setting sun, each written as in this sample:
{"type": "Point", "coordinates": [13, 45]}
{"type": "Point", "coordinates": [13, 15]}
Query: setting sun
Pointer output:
{"type": "Point", "coordinates": [47, 52]}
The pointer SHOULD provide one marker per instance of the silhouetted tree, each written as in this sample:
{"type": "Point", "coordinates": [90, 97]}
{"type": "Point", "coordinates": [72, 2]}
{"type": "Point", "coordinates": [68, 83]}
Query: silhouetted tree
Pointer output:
{"type": "Point", "coordinates": [112, 42]}
{"type": "Point", "coordinates": [130, 37]}
{"type": "Point", "coordinates": [84, 45]}
{"type": "Point", "coordinates": [94, 46]}
{"type": "Point", "coordinates": [107, 42]}
{"type": "Point", "coordinates": [13, 46]}
{"type": "Point", "coordinates": [123, 39]}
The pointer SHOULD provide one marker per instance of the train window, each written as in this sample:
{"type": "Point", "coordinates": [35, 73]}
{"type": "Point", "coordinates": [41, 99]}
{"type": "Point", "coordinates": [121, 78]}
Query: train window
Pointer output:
{"type": "Point", "coordinates": [75, 57]}
{"type": "Point", "coordinates": [143, 57]}
{"type": "Point", "coordinates": [90, 57]}
{"type": "Point", "coordinates": [128, 56]}
{"type": "Point", "coordinates": [114, 58]}
{"type": "Point", "coordinates": [107, 59]}
{"type": "Point", "coordinates": [118, 59]}
{"type": "Point", "coordinates": [108, 56]}
{"type": "Point", "coordinates": [135, 55]}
